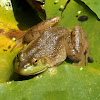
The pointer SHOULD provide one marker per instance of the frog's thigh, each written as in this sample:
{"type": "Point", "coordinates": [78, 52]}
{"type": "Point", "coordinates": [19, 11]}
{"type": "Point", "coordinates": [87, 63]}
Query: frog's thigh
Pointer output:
{"type": "Point", "coordinates": [31, 36]}
{"type": "Point", "coordinates": [78, 42]}
{"type": "Point", "coordinates": [34, 32]}
{"type": "Point", "coordinates": [46, 23]}
{"type": "Point", "coordinates": [72, 52]}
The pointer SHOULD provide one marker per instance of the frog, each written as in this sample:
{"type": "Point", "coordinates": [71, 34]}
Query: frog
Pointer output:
{"type": "Point", "coordinates": [49, 45]}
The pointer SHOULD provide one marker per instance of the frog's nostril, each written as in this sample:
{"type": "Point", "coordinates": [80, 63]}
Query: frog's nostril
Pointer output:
{"type": "Point", "coordinates": [21, 55]}
{"type": "Point", "coordinates": [17, 55]}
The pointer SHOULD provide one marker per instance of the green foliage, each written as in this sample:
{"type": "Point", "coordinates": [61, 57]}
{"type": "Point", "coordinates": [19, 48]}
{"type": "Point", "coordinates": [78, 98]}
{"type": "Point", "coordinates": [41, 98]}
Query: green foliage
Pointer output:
{"type": "Point", "coordinates": [94, 5]}
{"type": "Point", "coordinates": [66, 82]}
{"type": "Point", "coordinates": [63, 82]}
{"type": "Point", "coordinates": [6, 65]}
{"type": "Point", "coordinates": [6, 58]}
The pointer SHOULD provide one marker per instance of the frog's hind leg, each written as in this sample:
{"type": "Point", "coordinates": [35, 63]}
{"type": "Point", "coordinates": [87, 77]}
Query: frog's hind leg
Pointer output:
{"type": "Point", "coordinates": [46, 24]}
{"type": "Point", "coordinates": [80, 63]}
{"type": "Point", "coordinates": [83, 61]}
{"type": "Point", "coordinates": [34, 31]}
{"type": "Point", "coordinates": [86, 57]}
{"type": "Point", "coordinates": [78, 46]}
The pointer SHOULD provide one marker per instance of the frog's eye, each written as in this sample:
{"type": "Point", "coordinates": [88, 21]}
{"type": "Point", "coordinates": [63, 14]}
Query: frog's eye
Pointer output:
{"type": "Point", "coordinates": [34, 60]}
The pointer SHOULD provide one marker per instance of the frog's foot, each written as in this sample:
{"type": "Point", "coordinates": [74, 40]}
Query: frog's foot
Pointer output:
{"type": "Point", "coordinates": [80, 63]}
{"type": "Point", "coordinates": [83, 61]}
{"type": "Point", "coordinates": [17, 44]}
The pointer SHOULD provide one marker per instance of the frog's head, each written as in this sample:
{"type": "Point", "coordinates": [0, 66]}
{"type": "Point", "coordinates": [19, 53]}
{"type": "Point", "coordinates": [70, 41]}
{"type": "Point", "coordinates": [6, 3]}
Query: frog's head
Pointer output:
{"type": "Point", "coordinates": [25, 65]}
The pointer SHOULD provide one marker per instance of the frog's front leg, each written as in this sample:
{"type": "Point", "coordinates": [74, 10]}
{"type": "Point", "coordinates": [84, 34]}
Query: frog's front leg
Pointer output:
{"type": "Point", "coordinates": [78, 46]}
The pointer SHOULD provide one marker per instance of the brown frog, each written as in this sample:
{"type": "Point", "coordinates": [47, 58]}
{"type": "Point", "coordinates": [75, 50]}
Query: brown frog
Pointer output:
{"type": "Point", "coordinates": [49, 46]}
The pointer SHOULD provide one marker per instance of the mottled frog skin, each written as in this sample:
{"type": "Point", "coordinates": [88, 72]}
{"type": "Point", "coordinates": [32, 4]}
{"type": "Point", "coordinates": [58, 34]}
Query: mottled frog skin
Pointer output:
{"type": "Point", "coordinates": [49, 46]}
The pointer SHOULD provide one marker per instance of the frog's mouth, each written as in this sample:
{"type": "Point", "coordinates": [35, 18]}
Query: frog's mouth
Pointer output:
{"type": "Point", "coordinates": [30, 69]}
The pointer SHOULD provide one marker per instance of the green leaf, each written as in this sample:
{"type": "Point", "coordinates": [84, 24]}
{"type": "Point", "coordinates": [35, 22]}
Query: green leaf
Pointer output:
{"type": "Point", "coordinates": [63, 82]}
{"type": "Point", "coordinates": [66, 82]}
{"type": "Point", "coordinates": [94, 5]}
{"type": "Point", "coordinates": [6, 58]}
{"type": "Point", "coordinates": [13, 17]}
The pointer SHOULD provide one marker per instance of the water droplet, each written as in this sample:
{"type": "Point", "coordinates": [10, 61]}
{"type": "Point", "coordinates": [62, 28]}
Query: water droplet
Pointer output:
{"type": "Point", "coordinates": [79, 12]}
{"type": "Point", "coordinates": [81, 68]}
{"type": "Point", "coordinates": [61, 8]}
{"type": "Point", "coordinates": [56, 1]}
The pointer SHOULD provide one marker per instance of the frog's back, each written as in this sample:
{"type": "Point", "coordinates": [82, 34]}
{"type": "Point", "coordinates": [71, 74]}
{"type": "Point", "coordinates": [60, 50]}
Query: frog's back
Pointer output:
{"type": "Point", "coordinates": [47, 43]}
{"type": "Point", "coordinates": [51, 44]}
